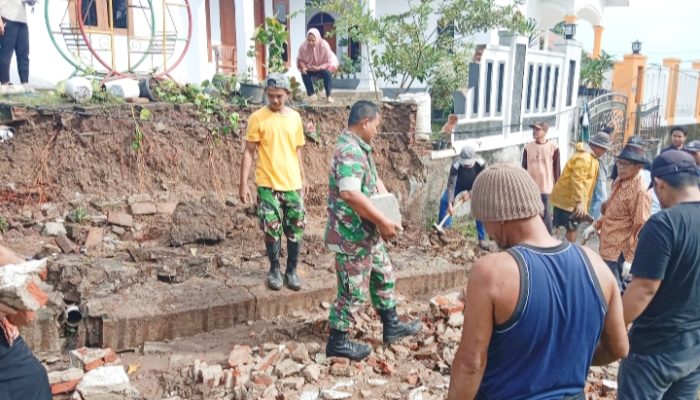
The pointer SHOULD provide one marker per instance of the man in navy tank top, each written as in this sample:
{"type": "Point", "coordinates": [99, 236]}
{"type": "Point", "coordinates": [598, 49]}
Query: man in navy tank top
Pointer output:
{"type": "Point", "coordinates": [538, 314]}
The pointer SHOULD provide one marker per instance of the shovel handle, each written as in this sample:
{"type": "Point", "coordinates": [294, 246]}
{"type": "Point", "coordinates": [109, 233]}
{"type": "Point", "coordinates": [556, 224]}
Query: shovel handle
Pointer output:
{"type": "Point", "coordinates": [448, 215]}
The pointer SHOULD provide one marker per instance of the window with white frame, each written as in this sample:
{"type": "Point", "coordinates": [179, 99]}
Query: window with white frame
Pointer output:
{"type": "Point", "coordinates": [547, 75]}
{"type": "Point", "coordinates": [501, 81]}
{"type": "Point", "coordinates": [538, 88]}
{"type": "Point", "coordinates": [489, 88]}
{"type": "Point", "coordinates": [555, 87]}
{"type": "Point", "coordinates": [528, 92]}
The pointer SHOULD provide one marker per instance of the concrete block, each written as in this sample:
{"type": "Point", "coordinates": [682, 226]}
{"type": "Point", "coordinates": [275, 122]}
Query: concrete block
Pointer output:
{"type": "Point", "coordinates": [210, 375]}
{"type": "Point", "coordinates": [139, 198]}
{"type": "Point", "coordinates": [65, 381]}
{"type": "Point", "coordinates": [388, 205]}
{"type": "Point", "coordinates": [104, 383]}
{"type": "Point", "coordinates": [54, 229]}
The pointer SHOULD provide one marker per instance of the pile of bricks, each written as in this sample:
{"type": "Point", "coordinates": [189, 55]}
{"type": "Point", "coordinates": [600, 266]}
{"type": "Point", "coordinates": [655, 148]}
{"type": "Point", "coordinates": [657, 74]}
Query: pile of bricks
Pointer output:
{"type": "Point", "coordinates": [301, 370]}
{"type": "Point", "coordinates": [95, 374]}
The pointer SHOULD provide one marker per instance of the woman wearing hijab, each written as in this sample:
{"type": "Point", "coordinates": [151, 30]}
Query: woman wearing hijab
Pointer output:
{"type": "Point", "coordinates": [316, 60]}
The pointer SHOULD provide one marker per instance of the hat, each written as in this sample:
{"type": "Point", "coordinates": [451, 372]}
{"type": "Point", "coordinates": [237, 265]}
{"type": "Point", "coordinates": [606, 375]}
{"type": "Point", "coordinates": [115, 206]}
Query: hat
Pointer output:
{"type": "Point", "coordinates": [693, 147]}
{"type": "Point", "coordinates": [672, 162]}
{"type": "Point", "coordinates": [601, 139]}
{"type": "Point", "coordinates": [635, 140]}
{"type": "Point", "coordinates": [505, 192]}
{"type": "Point", "coordinates": [467, 157]}
{"type": "Point", "coordinates": [540, 125]}
{"type": "Point", "coordinates": [634, 153]}
{"type": "Point", "coordinates": [277, 80]}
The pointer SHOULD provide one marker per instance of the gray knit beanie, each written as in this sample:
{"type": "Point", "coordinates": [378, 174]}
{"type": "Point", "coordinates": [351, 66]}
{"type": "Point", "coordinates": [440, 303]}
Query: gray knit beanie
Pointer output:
{"type": "Point", "coordinates": [505, 192]}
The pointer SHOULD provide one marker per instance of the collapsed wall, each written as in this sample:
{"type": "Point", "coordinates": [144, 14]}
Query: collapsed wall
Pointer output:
{"type": "Point", "coordinates": [113, 218]}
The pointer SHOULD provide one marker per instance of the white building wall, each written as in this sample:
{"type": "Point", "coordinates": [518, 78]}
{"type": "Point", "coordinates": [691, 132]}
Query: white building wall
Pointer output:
{"type": "Point", "coordinates": [686, 97]}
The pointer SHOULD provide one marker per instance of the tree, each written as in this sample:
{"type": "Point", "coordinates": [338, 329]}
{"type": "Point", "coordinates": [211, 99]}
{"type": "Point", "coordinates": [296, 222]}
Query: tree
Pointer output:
{"type": "Point", "coordinates": [593, 70]}
{"type": "Point", "coordinates": [411, 49]}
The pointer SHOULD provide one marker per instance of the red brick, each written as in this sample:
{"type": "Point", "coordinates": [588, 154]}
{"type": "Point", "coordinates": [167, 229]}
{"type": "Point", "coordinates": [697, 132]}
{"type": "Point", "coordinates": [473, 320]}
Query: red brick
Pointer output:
{"type": "Point", "coordinates": [262, 379]}
{"type": "Point", "coordinates": [64, 387]}
{"type": "Point", "coordinates": [273, 357]}
{"type": "Point", "coordinates": [90, 359]}
{"type": "Point", "coordinates": [37, 293]}
{"type": "Point", "coordinates": [65, 381]}
{"type": "Point", "coordinates": [240, 355]}
{"type": "Point", "coordinates": [340, 361]}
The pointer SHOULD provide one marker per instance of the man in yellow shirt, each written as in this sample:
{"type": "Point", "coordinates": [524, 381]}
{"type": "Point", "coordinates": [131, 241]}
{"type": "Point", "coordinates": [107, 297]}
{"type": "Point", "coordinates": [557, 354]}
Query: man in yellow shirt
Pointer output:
{"type": "Point", "coordinates": [276, 134]}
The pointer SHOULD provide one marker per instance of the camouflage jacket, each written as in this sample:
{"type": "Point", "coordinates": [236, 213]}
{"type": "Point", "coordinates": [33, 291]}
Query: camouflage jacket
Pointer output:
{"type": "Point", "coordinates": [352, 168]}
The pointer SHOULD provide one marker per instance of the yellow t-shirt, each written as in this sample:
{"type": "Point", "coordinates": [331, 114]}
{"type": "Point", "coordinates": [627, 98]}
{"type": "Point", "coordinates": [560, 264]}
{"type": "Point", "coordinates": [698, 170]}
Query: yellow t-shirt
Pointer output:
{"type": "Point", "coordinates": [278, 136]}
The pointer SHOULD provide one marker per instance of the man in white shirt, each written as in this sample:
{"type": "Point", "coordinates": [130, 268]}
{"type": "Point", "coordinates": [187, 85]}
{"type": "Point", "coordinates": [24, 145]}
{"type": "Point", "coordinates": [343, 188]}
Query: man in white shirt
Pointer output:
{"type": "Point", "coordinates": [14, 37]}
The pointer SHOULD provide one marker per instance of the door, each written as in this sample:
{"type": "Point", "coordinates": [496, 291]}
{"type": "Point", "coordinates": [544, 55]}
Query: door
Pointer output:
{"type": "Point", "coordinates": [226, 56]}
{"type": "Point", "coordinates": [260, 59]}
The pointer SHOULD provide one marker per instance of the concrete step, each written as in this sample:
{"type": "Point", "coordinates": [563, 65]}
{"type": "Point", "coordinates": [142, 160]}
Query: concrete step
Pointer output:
{"type": "Point", "coordinates": [158, 311]}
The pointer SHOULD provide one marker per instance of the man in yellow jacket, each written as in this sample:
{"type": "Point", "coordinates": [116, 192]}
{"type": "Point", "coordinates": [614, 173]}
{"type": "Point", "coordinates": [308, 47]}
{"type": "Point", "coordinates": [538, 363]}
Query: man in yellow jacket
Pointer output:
{"type": "Point", "coordinates": [572, 193]}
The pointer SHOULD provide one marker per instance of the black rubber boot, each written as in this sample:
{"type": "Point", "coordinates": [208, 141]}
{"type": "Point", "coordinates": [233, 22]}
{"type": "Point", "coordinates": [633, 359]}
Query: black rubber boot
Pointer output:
{"type": "Point", "coordinates": [291, 279]}
{"type": "Point", "coordinates": [274, 277]}
{"type": "Point", "coordinates": [394, 329]}
{"type": "Point", "coordinates": [339, 346]}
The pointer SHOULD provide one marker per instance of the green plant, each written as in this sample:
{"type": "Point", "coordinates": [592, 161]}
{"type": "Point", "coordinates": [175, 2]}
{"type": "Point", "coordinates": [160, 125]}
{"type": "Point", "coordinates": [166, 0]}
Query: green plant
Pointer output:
{"type": "Point", "coordinates": [78, 215]}
{"type": "Point", "coordinates": [224, 84]}
{"type": "Point", "coordinates": [295, 88]}
{"type": "Point", "coordinates": [212, 112]}
{"type": "Point", "coordinates": [170, 92]}
{"type": "Point", "coordinates": [348, 67]}
{"type": "Point", "coordinates": [273, 35]}
{"type": "Point", "coordinates": [102, 96]}
{"type": "Point", "coordinates": [144, 115]}
{"type": "Point", "coordinates": [318, 86]}
{"type": "Point", "coordinates": [247, 76]}
{"type": "Point", "coordinates": [593, 70]}
{"type": "Point", "coordinates": [4, 226]}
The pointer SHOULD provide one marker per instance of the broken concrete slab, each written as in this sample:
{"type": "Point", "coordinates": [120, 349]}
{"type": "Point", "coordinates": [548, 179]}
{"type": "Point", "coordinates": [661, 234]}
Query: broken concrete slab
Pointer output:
{"type": "Point", "coordinates": [66, 245]}
{"type": "Point", "coordinates": [166, 208]}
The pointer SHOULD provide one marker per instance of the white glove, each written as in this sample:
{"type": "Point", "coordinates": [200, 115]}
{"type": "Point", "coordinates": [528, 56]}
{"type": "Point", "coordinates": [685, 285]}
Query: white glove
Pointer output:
{"type": "Point", "coordinates": [626, 266]}
{"type": "Point", "coordinates": [588, 232]}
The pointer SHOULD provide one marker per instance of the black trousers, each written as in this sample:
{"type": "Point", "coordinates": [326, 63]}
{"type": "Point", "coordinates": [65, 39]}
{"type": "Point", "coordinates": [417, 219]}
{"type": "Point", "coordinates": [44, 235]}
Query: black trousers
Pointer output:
{"type": "Point", "coordinates": [22, 377]}
{"type": "Point", "coordinates": [547, 217]}
{"type": "Point", "coordinates": [309, 84]}
{"type": "Point", "coordinates": [15, 39]}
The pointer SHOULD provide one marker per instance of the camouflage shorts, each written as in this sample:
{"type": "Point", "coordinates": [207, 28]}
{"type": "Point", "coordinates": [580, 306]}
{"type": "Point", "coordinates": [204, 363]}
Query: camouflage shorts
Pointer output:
{"type": "Point", "coordinates": [280, 212]}
{"type": "Point", "coordinates": [355, 274]}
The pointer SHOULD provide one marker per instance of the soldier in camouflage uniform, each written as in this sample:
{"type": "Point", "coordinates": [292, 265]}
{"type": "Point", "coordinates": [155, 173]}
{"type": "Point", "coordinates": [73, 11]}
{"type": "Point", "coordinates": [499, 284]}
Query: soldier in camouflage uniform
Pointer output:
{"type": "Point", "coordinates": [355, 233]}
{"type": "Point", "coordinates": [276, 134]}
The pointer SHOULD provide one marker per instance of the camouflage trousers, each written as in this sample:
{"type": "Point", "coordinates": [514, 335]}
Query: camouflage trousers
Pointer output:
{"type": "Point", "coordinates": [355, 274]}
{"type": "Point", "coordinates": [280, 212]}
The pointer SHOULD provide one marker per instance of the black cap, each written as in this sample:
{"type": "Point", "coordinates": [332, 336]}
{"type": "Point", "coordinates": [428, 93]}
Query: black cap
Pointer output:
{"type": "Point", "coordinates": [673, 162]}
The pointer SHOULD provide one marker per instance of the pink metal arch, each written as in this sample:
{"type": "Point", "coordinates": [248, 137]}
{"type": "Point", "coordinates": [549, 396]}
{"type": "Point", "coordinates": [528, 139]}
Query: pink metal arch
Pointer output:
{"type": "Point", "coordinates": [114, 72]}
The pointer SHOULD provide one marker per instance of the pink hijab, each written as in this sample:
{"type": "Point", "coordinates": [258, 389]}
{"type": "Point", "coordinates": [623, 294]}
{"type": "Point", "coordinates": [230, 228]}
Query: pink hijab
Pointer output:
{"type": "Point", "coordinates": [320, 55]}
